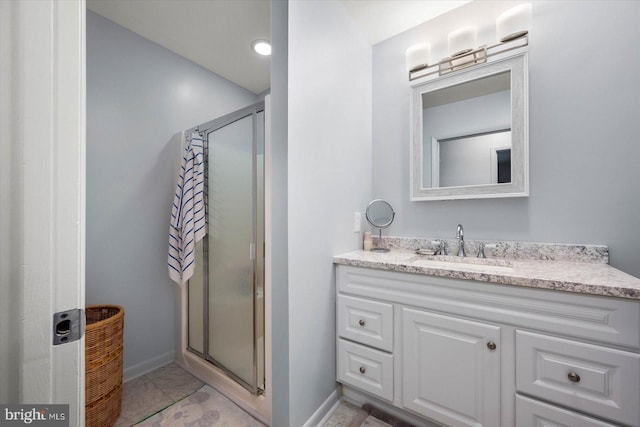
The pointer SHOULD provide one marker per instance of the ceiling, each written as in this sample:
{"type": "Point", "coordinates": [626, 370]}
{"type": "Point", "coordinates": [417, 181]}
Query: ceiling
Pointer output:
{"type": "Point", "coordinates": [217, 34]}
{"type": "Point", "coordinates": [214, 34]}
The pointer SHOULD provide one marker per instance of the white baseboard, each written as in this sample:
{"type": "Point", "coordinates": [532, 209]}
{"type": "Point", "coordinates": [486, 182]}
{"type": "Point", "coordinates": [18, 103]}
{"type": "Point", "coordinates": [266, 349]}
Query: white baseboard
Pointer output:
{"type": "Point", "coordinates": [323, 413]}
{"type": "Point", "coordinates": [142, 368]}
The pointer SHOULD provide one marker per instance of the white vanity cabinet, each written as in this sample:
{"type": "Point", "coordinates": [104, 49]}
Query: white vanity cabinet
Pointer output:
{"type": "Point", "coordinates": [466, 353]}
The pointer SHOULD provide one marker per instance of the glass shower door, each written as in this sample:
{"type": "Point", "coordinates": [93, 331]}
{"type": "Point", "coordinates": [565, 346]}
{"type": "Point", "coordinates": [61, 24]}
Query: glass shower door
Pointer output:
{"type": "Point", "coordinates": [231, 290]}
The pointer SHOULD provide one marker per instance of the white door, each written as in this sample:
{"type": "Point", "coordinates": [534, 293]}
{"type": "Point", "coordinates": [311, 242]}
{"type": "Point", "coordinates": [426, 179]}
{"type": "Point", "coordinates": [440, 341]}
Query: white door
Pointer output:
{"type": "Point", "coordinates": [42, 198]}
{"type": "Point", "coordinates": [451, 369]}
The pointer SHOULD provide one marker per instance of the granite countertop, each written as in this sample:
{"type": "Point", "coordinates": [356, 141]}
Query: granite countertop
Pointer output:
{"type": "Point", "coordinates": [595, 278]}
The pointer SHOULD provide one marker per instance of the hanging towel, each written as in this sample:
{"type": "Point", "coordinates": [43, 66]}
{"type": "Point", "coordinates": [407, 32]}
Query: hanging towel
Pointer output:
{"type": "Point", "coordinates": [188, 222]}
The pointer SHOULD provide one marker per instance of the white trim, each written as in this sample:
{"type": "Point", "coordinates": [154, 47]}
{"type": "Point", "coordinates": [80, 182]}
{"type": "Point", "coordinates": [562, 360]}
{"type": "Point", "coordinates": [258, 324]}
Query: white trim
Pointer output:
{"type": "Point", "coordinates": [435, 163]}
{"type": "Point", "coordinates": [9, 213]}
{"type": "Point", "coordinates": [147, 366]}
{"type": "Point", "coordinates": [327, 417]}
{"type": "Point", "coordinates": [323, 413]}
{"type": "Point", "coordinates": [47, 125]}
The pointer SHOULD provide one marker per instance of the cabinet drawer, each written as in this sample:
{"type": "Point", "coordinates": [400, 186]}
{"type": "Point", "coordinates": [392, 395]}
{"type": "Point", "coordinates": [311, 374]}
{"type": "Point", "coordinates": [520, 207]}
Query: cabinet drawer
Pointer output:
{"type": "Point", "coordinates": [366, 321]}
{"type": "Point", "coordinates": [531, 413]}
{"type": "Point", "coordinates": [590, 378]}
{"type": "Point", "coordinates": [368, 369]}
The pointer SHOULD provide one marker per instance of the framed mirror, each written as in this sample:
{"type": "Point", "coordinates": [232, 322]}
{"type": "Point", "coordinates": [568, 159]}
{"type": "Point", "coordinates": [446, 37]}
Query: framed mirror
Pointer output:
{"type": "Point", "coordinates": [469, 133]}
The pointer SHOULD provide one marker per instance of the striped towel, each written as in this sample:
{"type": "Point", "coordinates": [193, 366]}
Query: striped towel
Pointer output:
{"type": "Point", "coordinates": [188, 222]}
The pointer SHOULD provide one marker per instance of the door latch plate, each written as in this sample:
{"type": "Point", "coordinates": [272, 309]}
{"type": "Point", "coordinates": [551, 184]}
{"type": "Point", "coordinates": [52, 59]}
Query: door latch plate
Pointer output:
{"type": "Point", "coordinates": [68, 326]}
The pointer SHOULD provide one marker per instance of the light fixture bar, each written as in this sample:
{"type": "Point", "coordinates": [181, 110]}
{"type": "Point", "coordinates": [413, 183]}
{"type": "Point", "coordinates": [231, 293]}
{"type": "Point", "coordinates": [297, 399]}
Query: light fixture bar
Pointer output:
{"type": "Point", "coordinates": [458, 62]}
{"type": "Point", "coordinates": [469, 59]}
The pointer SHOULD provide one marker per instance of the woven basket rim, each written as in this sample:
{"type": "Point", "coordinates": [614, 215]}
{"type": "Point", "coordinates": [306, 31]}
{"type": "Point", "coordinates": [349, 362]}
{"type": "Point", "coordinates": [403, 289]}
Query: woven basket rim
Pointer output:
{"type": "Point", "coordinates": [98, 306]}
{"type": "Point", "coordinates": [116, 317]}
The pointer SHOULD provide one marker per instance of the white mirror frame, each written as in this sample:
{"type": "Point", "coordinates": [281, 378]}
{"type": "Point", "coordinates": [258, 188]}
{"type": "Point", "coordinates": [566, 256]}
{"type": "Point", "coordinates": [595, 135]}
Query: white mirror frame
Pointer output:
{"type": "Point", "coordinates": [519, 185]}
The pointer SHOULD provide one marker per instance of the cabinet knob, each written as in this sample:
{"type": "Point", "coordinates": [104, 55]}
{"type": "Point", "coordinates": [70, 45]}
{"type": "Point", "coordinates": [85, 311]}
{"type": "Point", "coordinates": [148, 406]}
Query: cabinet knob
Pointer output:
{"type": "Point", "coordinates": [491, 345]}
{"type": "Point", "coordinates": [573, 377]}
{"type": "Point", "coordinates": [362, 370]}
{"type": "Point", "coordinates": [361, 322]}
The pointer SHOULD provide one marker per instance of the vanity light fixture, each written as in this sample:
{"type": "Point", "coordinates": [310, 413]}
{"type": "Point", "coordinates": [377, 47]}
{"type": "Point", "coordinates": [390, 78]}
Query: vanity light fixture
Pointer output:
{"type": "Point", "coordinates": [462, 41]}
{"type": "Point", "coordinates": [418, 57]}
{"type": "Point", "coordinates": [512, 28]}
{"type": "Point", "coordinates": [514, 23]}
{"type": "Point", "coordinates": [261, 47]}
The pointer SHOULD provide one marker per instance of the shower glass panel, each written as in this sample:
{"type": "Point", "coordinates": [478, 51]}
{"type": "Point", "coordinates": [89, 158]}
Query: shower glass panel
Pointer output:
{"type": "Point", "coordinates": [226, 292]}
{"type": "Point", "coordinates": [232, 316]}
{"type": "Point", "coordinates": [195, 310]}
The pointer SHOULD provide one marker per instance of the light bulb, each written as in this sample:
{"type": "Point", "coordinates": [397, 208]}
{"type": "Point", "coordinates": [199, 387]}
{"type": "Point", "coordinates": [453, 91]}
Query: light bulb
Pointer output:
{"type": "Point", "coordinates": [514, 23]}
{"type": "Point", "coordinates": [261, 47]}
{"type": "Point", "coordinates": [418, 56]}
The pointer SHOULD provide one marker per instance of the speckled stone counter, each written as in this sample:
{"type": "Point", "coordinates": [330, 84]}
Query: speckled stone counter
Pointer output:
{"type": "Point", "coordinates": [583, 270]}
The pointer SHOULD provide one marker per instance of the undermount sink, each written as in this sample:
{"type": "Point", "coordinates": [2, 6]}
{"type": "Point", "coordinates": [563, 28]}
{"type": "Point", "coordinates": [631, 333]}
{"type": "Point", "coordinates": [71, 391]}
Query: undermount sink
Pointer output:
{"type": "Point", "coordinates": [449, 261]}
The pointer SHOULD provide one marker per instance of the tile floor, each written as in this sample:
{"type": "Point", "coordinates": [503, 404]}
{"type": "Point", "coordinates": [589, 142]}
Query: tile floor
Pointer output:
{"type": "Point", "coordinates": [149, 394]}
{"type": "Point", "coordinates": [343, 415]}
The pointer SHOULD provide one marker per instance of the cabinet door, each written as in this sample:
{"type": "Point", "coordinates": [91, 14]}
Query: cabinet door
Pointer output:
{"type": "Point", "coordinates": [451, 369]}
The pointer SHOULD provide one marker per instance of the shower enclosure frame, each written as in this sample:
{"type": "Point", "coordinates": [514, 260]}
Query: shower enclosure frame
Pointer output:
{"type": "Point", "coordinates": [205, 129]}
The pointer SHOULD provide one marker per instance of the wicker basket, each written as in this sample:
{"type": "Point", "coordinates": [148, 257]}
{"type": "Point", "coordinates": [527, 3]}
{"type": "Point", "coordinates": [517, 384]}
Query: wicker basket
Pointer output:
{"type": "Point", "coordinates": [103, 364]}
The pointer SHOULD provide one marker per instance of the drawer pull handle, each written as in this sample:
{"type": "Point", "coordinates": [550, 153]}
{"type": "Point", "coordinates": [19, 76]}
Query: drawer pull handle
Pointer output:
{"type": "Point", "coordinates": [361, 322]}
{"type": "Point", "coordinates": [573, 377]}
{"type": "Point", "coordinates": [362, 370]}
{"type": "Point", "coordinates": [491, 345]}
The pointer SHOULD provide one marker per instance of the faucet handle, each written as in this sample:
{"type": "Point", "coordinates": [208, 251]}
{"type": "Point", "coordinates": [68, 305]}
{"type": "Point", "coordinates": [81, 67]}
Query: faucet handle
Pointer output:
{"type": "Point", "coordinates": [481, 251]}
{"type": "Point", "coordinates": [484, 246]}
{"type": "Point", "coordinates": [440, 247]}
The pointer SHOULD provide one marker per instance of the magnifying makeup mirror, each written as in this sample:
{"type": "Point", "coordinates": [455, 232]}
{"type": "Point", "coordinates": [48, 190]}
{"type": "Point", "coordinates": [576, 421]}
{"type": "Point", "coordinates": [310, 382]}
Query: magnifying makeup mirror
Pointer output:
{"type": "Point", "coordinates": [380, 215]}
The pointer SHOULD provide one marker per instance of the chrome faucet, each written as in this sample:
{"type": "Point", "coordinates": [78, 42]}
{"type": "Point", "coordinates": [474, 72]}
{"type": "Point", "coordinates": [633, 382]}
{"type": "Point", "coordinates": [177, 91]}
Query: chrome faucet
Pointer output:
{"type": "Point", "coordinates": [460, 237]}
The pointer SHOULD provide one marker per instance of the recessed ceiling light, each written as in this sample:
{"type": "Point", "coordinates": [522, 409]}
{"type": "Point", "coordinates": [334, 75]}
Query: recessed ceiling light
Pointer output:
{"type": "Point", "coordinates": [261, 47]}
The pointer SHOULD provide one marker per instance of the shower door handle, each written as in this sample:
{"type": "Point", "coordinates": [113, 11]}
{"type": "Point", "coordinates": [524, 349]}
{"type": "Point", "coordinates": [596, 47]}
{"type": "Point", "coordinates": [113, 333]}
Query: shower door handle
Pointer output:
{"type": "Point", "coordinates": [252, 251]}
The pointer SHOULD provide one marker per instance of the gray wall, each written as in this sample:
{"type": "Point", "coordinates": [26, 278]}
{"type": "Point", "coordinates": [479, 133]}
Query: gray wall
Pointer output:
{"type": "Point", "coordinates": [276, 186]}
{"type": "Point", "coordinates": [329, 151]}
{"type": "Point", "coordinates": [139, 95]}
{"type": "Point", "coordinates": [583, 117]}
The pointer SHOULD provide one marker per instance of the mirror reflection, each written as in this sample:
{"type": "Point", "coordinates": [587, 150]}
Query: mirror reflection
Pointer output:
{"type": "Point", "coordinates": [471, 160]}
{"type": "Point", "coordinates": [467, 133]}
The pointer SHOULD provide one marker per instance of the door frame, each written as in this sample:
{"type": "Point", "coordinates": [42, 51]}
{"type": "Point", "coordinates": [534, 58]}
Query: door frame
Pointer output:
{"type": "Point", "coordinates": [44, 118]}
